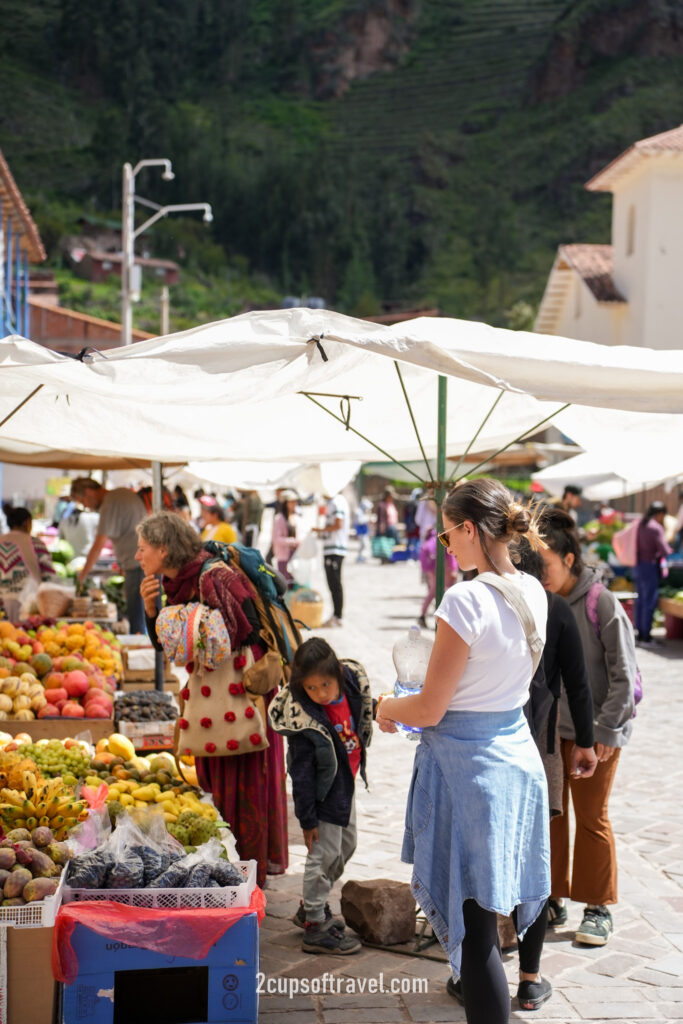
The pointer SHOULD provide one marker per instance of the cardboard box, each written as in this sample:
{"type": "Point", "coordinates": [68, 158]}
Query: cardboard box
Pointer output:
{"type": "Point", "coordinates": [111, 976]}
{"type": "Point", "coordinates": [147, 736]}
{"type": "Point", "coordinates": [60, 728]}
{"type": "Point", "coordinates": [31, 991]}
{"type": "Point", "coordinates": [139, 664]}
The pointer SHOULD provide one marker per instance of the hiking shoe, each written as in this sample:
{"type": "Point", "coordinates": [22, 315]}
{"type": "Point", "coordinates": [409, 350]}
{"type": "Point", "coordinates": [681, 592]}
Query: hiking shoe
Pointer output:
{"type": "Point", "coordinates": [596, 927]}
{"type": "Point", "coordinates": [299, 918]}
{"type": "Point", "coordinates": [557, 913]}
{"type": "Point", "coordinates": [318, 939]}
{"type": "Point", "coordinates": [532, 994]}
{"type": "Point", "coordinates": [454, 988]}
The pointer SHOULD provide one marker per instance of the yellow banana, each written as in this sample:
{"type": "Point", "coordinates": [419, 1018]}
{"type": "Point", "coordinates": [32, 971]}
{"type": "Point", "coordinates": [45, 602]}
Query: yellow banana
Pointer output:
{"type": "Point", "coordinates": [11, 796]}
{"type": "Point", "coordinates": [30, 782]}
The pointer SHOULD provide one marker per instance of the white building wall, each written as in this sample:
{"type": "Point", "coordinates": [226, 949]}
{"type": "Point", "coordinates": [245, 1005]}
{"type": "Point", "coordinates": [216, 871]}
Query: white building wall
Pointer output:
{"type": "Point", "coordinates": [586, 319]}
{"type": "Point", "coordinates": [648, 212]}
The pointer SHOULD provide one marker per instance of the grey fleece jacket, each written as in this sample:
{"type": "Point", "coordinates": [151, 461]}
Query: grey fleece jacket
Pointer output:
{"type": "Point", "coordinates": [611, 664]}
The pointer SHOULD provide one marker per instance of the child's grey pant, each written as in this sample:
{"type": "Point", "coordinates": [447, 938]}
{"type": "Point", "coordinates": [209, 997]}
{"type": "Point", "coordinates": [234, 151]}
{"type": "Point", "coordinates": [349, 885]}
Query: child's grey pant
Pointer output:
{"type": "Point", "coordinates": [325, 864]}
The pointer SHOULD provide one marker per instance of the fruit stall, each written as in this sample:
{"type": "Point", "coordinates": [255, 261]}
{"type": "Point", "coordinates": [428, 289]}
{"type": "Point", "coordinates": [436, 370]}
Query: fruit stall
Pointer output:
{"type": "Point", "coordinates": [103, 834]}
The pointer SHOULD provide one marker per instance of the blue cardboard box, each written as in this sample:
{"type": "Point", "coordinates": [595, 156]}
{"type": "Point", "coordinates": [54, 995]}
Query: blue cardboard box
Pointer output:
{"type": "Point", "coordinates": [122, 984]}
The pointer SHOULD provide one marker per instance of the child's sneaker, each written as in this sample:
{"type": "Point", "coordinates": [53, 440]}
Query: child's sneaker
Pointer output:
{"type": "Point", "coordinates": [318, 939]}
{"type": "Point", "coordinates": [330, 921]}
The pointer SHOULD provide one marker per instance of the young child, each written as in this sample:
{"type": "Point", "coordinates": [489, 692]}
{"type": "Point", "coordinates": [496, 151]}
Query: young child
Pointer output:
{"type": "Point", "coordinates": [428, 564]}
{"type": "Point", "coordinates": [326, 714]}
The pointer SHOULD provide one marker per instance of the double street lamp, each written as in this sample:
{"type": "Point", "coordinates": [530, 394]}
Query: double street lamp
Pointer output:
{"type": "Point", "coordinates": [129, 232]}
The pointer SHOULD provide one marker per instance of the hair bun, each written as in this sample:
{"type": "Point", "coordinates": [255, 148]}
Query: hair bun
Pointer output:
{"type": "Point", "coordinates": [518, 518]}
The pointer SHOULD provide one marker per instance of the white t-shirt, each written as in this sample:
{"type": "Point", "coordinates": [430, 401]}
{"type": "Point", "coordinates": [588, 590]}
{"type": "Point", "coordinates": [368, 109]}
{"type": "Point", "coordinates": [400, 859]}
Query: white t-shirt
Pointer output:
{"type": "Point", "coordinates": [499, 667]}
{"type": "Point", "coordinates": [336, 542]}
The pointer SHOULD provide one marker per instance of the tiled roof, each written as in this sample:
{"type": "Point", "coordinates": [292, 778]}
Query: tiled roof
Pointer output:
{"type": "Point", "coordinates": [670, 142]}
{"type": "Point", "coordinates": [13, 205]}
{"type": "Point", "coordinates": [594, 263]}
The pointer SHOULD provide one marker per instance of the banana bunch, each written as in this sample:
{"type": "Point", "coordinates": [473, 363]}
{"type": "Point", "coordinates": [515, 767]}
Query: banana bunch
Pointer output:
{"type": "Point", "coordinates": [48, 803]}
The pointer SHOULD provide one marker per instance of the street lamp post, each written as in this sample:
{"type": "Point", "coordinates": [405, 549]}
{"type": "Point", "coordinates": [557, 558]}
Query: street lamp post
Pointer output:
{"type": "Point", "coordinates": [129, 232]}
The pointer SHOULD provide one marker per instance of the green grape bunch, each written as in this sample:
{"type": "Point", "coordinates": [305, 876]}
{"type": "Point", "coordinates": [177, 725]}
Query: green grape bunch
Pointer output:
{"type": "Point", "coordinates": [53, 759]}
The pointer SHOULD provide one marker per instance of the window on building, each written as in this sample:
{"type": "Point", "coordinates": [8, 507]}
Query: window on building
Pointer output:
{"type": "Point", "coordinates": [631, 231]}
{"type": "Point", "coordinates": [107, 265]}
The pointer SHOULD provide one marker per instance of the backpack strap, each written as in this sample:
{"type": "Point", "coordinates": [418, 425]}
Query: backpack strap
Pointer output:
{"type": "Point", "coordinates": [592, 598]}
{"type": "Point", "coordinates": [517, 602]}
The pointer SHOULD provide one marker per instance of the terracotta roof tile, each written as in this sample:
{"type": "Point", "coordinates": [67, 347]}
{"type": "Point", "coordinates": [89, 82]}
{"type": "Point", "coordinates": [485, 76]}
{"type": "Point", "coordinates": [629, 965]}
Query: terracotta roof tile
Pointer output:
{"type": "Point", "coordinates": [14, 206]}
{"type": "Point", "coordinates": [665, 142]}
{"type": "Point", "coordinates": [594, 263]}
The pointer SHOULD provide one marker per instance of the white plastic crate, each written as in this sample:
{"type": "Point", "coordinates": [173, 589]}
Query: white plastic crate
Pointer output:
{"type": "Point", "coordinates": [40, 914]}
{"type": "Point", "coordinates": [173, 899]}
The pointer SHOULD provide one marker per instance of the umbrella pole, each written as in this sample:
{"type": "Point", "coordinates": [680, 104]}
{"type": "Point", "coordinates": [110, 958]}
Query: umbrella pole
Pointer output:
{"type": "Point", "coordinates": [440, 490]}
{"type": "Point", "coordinates": [157, 491]}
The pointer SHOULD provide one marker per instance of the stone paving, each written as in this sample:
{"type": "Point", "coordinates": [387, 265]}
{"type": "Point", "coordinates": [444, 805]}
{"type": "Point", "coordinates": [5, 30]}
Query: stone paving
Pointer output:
{"type": "Point", "coordinates": [637, 977]}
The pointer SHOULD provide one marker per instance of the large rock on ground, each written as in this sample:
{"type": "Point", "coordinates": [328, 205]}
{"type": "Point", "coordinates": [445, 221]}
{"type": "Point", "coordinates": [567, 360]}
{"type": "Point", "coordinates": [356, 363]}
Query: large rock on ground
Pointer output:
{"type": "Point", "coordinates": [381, 911]}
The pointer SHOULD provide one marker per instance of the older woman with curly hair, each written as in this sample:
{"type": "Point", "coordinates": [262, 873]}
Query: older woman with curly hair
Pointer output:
{"type": "Point", "coordinates": [248, 788]}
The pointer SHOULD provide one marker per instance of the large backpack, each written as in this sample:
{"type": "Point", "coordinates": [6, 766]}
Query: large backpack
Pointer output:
{"type": "Point", "coordinates": [279, 632]}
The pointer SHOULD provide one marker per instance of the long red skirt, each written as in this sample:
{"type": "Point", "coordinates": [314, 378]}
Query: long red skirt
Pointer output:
{"type": "Point", "coordinates": [249, 790]}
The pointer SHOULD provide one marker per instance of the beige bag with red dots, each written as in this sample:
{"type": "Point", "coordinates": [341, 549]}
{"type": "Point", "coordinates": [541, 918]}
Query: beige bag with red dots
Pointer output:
{"type": "Point", "coordinates": [218, 718]}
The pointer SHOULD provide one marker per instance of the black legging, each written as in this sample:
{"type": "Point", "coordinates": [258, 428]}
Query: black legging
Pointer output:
{"type": "Point", "coordinates": [333, 569]}
{"type": "Point", "coordinates": [531, 946]}
{"type": "Point", "coordinates": [484, 984]}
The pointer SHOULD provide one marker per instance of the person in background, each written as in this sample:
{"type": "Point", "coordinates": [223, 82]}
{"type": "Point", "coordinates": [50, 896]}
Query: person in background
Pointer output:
{"type": "Point", "coordinates": [214, 526]}
{"type": "Point", "coordinates": [326, 714]}
{"type": "Point", "coordinates": [428, 564]}
{"type": "Point", "coordinates": [425, 517]}
{"type": "Point", "coordinates": [609, 650]}
{"type": "Point", "coordinates": [651, 549]}
{"type": "Point", "coordinates": [120, 512]}
{"type": "Point", "coordinates": [387, 516]}
{"type": "Point", "coordinates": [285, 539]}
{"type": "Point", "coordinates": [412, 528]}
{"type": "Point", "coordinates": [248, 517]}
{"type": "Point", "coordinates": [21, 556]}
{"type": "Point", "coordinates": [335, 536]}
{"type": "Point", "coordinates": [249, 789]}
{"type": "Point", "coordinates": [570, 500]}
{"type": "Point", "coordinates": [361, 524]}
{"type": "Point", "coordinates": [78, 526]}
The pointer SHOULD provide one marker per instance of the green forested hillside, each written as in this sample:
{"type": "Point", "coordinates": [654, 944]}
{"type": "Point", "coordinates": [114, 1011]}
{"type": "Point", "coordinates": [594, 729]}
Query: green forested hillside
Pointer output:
{"type": "Point", "coordinates": [410, 151]}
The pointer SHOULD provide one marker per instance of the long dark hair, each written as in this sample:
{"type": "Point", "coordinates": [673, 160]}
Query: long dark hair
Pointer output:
{"type": "Point", "coordinates": [559, 533]}
{"type": "Point", "coordinates": [314, 657]}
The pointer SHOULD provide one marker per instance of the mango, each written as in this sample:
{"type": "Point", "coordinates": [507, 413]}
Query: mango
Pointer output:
{"type": "Point", "coordinates": [16, 901]}
{"type": "Point", "coordinates": [43, 866]}
{"type": "Point", "coordinates": [58, 853]}
{"type": "Point", "coordinates": [121, 746]}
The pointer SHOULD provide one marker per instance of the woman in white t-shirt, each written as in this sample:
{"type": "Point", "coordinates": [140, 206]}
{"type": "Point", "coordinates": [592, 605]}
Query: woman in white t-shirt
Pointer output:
{"type": "Point", "coordinates": [477, 814]}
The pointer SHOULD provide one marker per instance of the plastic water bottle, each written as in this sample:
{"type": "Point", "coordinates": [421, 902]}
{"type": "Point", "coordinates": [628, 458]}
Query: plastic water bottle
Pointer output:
{"type": "Point", "coordinates": [411, 656]}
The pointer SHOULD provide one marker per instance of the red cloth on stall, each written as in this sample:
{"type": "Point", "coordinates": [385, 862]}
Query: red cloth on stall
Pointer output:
{"type": "Point", "coordinates": [189, 932]}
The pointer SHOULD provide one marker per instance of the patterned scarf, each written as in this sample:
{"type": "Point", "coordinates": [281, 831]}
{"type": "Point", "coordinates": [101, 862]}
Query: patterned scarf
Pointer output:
{"type": "Point", "coordinates": [223, 588]}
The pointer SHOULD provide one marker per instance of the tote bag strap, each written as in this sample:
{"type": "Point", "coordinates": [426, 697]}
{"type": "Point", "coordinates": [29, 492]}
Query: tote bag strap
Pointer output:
{"type": "Point", "coordinates": [517, 602]}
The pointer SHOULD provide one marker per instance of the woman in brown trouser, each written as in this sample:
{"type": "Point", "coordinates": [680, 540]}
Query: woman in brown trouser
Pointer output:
{"type": "Point", "coordinates": [609, 649]}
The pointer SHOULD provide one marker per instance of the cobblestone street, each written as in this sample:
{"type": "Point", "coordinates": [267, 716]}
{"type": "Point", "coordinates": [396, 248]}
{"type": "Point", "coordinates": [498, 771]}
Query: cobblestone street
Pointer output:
{"type": "Point", "coordinates": [636, 977]}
